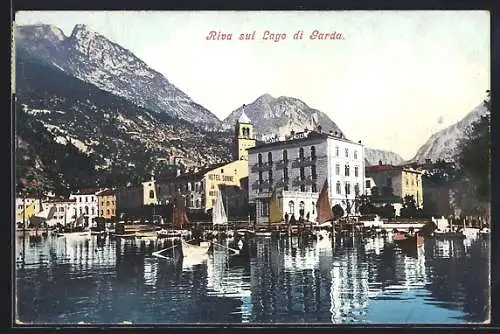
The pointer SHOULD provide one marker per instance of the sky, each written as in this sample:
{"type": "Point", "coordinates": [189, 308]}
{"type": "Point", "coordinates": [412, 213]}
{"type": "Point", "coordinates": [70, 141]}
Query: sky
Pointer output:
{"type": "Point", "coordinates": [392, 80]}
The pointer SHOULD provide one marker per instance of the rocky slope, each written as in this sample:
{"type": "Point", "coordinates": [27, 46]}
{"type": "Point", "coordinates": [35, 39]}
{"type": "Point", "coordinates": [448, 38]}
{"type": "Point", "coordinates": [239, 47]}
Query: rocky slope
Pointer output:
{"type": "Point", "coordinates": [443, 144]}
{"type": "Point", "coordinates": [93, 58]}
{"type": "Point", "coordinates": [279, 116]}
{"type": "Point", "coordinates": [121, 139]}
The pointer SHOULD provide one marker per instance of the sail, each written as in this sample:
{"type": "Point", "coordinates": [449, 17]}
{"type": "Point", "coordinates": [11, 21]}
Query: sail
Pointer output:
{"type": "Point", "coordinates": [275, 209]}
{"type": "Point", "coordinates": [219, 216]}
{"type": "Point", "coordinates": [323, 207]}
{"type": "Point", "coordinates": [179, 215]}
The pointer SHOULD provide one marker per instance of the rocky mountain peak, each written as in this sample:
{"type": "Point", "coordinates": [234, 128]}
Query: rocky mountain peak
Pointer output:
{"type": "Point", "coordinates": [38, 32]}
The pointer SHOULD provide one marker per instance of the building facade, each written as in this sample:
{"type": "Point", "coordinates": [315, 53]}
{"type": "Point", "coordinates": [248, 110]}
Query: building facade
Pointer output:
{"type": "Point", "coordinates": [106, 203]}
{"type": "Point", "coordinates": [296, 168]}
{"type": "Point", "coordinates": [200, 186]}
{"type": "Point", "coordinates": [130, 199]}
{"type": "Point", "coordinates": [60, 211]}
{"type": "Point", "coordinates": [26, 207]}
{"type": "Point", "coordinates": [86, 205]}
{"type": "Point", "coordinates": [397, 180]}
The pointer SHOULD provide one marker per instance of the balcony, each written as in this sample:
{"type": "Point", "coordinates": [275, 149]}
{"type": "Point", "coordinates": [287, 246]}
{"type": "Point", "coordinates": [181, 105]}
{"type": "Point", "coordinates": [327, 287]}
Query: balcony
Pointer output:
{"type": "Point", "coordinates": [261, 167]}
{"type": "Point", "coordinates": [303, 162]}
{"type": "Point", "coordinates": [298, 182]}
{"type": "Point", "coordinates": [265, 184]}
{"type": "Point", "coordinates": [280, 164]}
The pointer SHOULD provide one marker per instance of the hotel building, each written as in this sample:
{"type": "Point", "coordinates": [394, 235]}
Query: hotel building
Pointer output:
{"type": "Point", "coordinates": [297, 166]}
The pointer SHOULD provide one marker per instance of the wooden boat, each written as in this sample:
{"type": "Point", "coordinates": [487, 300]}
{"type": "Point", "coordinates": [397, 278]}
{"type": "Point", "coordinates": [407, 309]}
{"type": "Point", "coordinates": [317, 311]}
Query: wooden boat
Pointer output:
{"type": "Point", "coordinates": [448, 235]}
{"type": "Point", "coordinates": [75, 234]}
{"type": "Point", "coordinates": [405, 240]}
{"type": "Point", "coordinates": [190, 250]}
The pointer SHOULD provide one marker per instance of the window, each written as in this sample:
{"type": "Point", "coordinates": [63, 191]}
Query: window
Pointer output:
{"type": "Point", "coordinates": [222, 171]}
{"type": "Point", "coordinates": [260, 159]}
{"type": "Point", "coordinates": [61, 209]}
{"type": "Point", "coordinates": [313, 153]}
{"type": "Point", "coordinates": [213, 202]}
{"type": "Point", "coordinates": [337, 169]}
{"type": "Point", "coordinates": [301, 153]}
{"type": "Point", "coordinates": [356, 189]}
{"type": "Point", "coordinates": [302, 188]}
{"type": "Point", "coordinates": [368, 184]}
{"type": "Point", "coordinates": [197, 187]}
{"type": "Point", "coordinates": [313, 172]}
{"type": "Point", "coordinates": [264, 209]}
{"type": "Point", "coordinates": [107, 212]}
{"type": "Point", "coordinates": [102, 212]}
{"type": "Point", "coordinates": [79, 199]}
{"type": "Point", "coordinates": [270, 158]}
{"type": "Point", "coordinates": [197, 203]}
{"type": "Point", "coordinates": [285, 156]}
{"type": "Point", "coordinates": [93, 211]}
{"type": "Point", "coordinates": [270, 176]}
{"type": "Point", "coordinates": [347, 188]}
{"type": "Point", "coordinates": [356, 169]}
{"type": "Point", "coordinates": [301, 208]}
{"type": "Point", "coordinates": [291, 207]}
{"type": "Point", "coordinates": [151, 194]}
{"type": "Point", "coordinates": [107, 203]}
{"type": "Point", "coordinates": [412, 182]}
{"type": "Point", "coordinates": [313, 208]}
{"type": "Point", "coordinates": [355, 154]}
{"type": "Point", "coordinates": [336, 151]}
{"type": "Point", "coordinates": [314, 188]}
{"type": "Point", "coordinates": [260, 177]}
{"type": "Point", "coordinates": [338, 188]}
{"type": "Point", "coordinates": [347, 153]}
{"type": "Point", "coordinates": [86, 199]}
{"type": "Point", "coordinates": [346, 170]}
{"type": "Point", "coordinates": [302, 173]}
{"type": "Point", "coordinates": [285, 174]}
{"type": "Point", "coordinates": [86, 210]}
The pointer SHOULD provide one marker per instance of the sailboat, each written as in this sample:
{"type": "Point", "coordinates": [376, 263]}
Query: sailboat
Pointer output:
{"type": "Point", "coordinates": [179, 221]}
{"type": "Point", "coordinates": [71, 230]}
{"type": "Point", "coordinates": [323, 207]}
{"type": "Point", "coordinates": [219, 216]}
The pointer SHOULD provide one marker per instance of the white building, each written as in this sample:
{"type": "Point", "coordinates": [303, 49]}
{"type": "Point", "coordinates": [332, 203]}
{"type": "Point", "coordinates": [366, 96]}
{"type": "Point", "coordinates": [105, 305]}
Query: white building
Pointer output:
{"type": "Point", "coordinates": [86, 205]}
{"type": "Point", "coordinates": [59, 211]}
{"type": "Point", "coordinates": [297, 166]}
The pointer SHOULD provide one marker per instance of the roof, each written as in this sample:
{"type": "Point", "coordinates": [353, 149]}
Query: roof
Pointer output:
{"type": "Point", "coordinates": [199, 173]}
{"type": "Point", "coordinates": [88, 191]}
{"type": "Point", "coordinates": [311, 135]}
{"type": "Point", "coordinates": [388, 168]}
{"type": "Point", "coordinates": [106, 192]}
{"type": "Point", "coordinates": [244, 118]}
{"type": "Point", "coordinates": [60, 200]}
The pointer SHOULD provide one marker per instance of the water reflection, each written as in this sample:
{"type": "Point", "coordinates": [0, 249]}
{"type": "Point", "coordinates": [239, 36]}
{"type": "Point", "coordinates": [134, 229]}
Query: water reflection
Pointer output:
{"type": "Point", "coordinates": [354, 280]}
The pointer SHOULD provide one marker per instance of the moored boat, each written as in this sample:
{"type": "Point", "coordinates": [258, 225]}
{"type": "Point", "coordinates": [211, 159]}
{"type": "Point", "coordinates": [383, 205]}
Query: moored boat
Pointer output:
{"type": "Point", "coordinates": [190, 250]}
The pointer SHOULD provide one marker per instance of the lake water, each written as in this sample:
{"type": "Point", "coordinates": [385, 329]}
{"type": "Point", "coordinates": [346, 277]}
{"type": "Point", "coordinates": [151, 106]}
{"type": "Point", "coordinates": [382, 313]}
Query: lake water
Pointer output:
{"type": "Point", "coordinates": [357, 281]}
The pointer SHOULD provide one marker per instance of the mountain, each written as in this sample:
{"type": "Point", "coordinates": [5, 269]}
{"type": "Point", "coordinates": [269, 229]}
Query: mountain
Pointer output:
{"type": "Point", "coordinates": [374, 156]}
{"type": "Point", "coordinates": [281, 115]}
{"type": "Point", "coordinates": [115, 140]}
{"type": "Point", "coordinates": [443, 144]}
{"type": "Point", "coordinates": [95, 59]}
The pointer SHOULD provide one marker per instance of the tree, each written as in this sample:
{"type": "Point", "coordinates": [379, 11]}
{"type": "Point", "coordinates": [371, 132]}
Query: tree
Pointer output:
{"type": "Point", "coordinates": [474, 155]}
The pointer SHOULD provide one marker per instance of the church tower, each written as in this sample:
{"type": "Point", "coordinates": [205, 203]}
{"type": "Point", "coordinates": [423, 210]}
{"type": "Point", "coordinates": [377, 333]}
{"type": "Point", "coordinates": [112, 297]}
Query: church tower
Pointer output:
{"type": "Point", "coordinates": [244, 137]}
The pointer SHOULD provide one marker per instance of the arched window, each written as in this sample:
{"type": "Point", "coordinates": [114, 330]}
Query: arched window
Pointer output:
{"type": "Point", "coordinates": [285, 155]}
{"type": "Point", "coordinates": [313, 152]}
{"type": "Point", "coordinates": [301, 208]}
{"type": "Point", "coordinates": [291, 207]}
{"type": "Point", "coordinates": [260, 159]}
{"type": "Point", "coordinates": [86, 210]}
{"type": "Point", "coordinates": [151, 194]}
{"type": "Point", "coordinates": [346, 170]}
